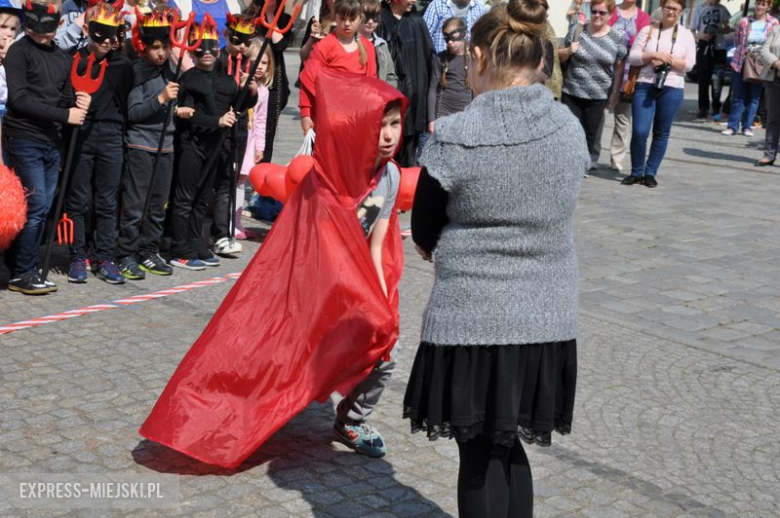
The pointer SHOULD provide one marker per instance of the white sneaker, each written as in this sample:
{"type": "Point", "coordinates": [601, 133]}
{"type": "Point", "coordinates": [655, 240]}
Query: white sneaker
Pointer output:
{"type": "Point", "coordinates": [748, 132]}
{"type": "Point", "coordinates": [728, 132]}
{"type": "Point", "coordinates": [616, 166]}
{"type": "Point", "coordinates": [224, 247]}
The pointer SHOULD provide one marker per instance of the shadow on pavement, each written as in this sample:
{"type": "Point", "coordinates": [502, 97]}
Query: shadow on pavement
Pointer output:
{"type": "Point", "coordinates": [713, 155]}
{"type": "Point", "coordinates": [301, 457]}
{"type": "Point", "coordinates": [606, 173]}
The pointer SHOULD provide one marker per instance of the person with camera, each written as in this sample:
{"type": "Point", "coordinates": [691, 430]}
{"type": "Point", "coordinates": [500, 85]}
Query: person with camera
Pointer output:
{"type": "Point", "coordinates": [665, 53]}
{"type": "Point", "coordinates": [595, 55]}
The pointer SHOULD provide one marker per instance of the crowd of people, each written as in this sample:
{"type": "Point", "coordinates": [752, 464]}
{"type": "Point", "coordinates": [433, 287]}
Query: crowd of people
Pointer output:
{"type": "Point", "coordinates": [461, 91]}
{"type": "Point", "coordinates": [613, 59]}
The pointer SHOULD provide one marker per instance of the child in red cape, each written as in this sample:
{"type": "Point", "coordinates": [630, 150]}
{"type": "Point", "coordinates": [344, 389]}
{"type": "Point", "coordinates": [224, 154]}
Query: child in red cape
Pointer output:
{"type": "Point", "coordinates": [309, 315]}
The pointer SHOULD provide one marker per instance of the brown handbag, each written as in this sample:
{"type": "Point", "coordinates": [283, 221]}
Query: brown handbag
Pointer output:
{"type": "Point", "coordinates": [633, 74]}
{"type": "Point", "coordinates": [753, 68]}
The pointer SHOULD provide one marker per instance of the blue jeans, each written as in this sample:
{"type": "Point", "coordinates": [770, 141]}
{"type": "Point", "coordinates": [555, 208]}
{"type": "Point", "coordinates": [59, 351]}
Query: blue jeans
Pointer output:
{"type": "Point", "coordinates": [652, 108]}
{"type": "Point", "coordinates": [743, 95]}
{"type": "Point", "coordinates": [38, 167]}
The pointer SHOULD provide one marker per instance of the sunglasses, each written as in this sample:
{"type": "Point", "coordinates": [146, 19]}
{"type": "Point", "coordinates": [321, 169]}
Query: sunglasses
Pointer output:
{"type": "Point", "coordinates": [599, 13]}
{"type": "Point", "coordinates": [368, 18]}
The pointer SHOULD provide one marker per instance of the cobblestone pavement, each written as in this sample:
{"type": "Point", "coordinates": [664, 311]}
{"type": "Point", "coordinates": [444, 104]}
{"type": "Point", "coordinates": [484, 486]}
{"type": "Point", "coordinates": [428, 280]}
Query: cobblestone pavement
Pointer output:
{"type": "Point", "coordinates": [678, 393]}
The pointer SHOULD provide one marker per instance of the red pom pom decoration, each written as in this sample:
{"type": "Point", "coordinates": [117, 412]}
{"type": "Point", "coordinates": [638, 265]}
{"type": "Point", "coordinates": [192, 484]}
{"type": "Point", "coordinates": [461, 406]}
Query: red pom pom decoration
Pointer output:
{"type": "Point", "coordinates": [259, 174]}
{"type": "Point", "coordinates": [274, 184]}
{"type": "Point", "coordinates": [297, 170]}
{"type": "Point", "coordinates": [13, 209]}
{"type": "Point", "coordinates": [409, 178]}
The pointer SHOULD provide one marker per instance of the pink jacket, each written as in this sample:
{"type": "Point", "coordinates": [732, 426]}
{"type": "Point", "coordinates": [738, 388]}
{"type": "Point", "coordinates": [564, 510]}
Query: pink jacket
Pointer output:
{"type": "Point", "coordinates": [741, 39]}
{"type": "Point", "coordinates": [684, 48]}
{"type": "Point", "coordinates": [256, 139]}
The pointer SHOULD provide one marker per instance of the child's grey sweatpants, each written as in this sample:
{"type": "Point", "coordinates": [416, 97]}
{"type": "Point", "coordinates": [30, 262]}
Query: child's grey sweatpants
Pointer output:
{"type": "Point", "coordinates": [361, 401]}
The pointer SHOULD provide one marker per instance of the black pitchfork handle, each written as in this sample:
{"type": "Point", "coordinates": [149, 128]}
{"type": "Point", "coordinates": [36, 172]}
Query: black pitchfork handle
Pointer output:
{"type": "Point", "coordinates": [60, 201]}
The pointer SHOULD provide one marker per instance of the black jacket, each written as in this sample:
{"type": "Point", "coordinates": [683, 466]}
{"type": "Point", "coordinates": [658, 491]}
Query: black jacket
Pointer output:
{"type": "Point", "coordinates": [109, 103]}
{"type": "Point", "coordinates": [39, 92]}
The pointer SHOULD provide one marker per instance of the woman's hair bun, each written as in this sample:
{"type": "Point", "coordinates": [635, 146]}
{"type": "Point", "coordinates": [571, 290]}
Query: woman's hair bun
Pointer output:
{"type": "Point", "coordinates": [527, 17]}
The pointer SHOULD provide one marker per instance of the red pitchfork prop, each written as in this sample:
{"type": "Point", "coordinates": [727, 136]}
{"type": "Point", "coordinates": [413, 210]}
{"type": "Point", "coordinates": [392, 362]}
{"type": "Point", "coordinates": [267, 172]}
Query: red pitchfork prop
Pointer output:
{"type": "Point", "coordinates": [64, 228]}
{"type": "Point", "coordinates": [180, 44]}
{"type": "Point", "coordinates": [241, 99]}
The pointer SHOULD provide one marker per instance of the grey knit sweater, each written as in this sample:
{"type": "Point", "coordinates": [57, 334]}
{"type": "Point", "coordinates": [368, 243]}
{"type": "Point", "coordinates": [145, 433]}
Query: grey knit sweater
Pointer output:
{"type": "Point", "coordinates": [506, 268]}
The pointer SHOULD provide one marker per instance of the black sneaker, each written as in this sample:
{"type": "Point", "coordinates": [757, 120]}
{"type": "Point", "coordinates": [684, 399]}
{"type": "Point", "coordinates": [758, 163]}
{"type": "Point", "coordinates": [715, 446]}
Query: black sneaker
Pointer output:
{"type": "Point", "coordinates": [631, 180]}
{"type": "Point", "coordinates": [156, 265]}
{"type": "Point", "coordinates": [651, 182]}
{"type": "Point", "coordinates": [31, 284]}
{"type": "Point", "coordinates": [129, 268]}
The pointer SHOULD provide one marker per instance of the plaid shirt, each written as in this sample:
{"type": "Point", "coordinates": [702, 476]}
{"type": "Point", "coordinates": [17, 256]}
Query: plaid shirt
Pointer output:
{"type": "Point", "coordinates": [440, 10]}
{"type": "Point", "coordinates": [741, 39]}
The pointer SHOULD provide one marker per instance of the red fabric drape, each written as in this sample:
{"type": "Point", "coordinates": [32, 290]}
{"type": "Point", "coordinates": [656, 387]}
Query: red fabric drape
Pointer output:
{"type": "Point", "coordinates": [308, 316]}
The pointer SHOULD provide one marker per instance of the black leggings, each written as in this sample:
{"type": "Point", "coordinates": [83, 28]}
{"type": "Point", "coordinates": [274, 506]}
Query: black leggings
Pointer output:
{"type": "Point", "coordinates": [494, 481]}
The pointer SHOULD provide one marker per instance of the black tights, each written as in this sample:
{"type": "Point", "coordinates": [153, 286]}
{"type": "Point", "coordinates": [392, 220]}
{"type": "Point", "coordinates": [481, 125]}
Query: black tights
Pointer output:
{"type": "Point", "coordinates": [494, 481]}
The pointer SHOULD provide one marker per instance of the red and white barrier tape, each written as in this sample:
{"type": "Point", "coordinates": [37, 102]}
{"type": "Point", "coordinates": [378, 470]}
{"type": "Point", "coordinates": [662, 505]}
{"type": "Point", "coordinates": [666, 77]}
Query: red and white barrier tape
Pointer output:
{"type": "Point", "coordinates": [135, 299]}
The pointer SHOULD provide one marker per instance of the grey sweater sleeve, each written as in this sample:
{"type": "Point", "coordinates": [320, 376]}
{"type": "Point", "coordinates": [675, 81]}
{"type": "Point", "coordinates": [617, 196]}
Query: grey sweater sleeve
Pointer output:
{"type": "Point", "coordinates": [142, 103]}
{"type": "Point", "coordinates": [68, 37]}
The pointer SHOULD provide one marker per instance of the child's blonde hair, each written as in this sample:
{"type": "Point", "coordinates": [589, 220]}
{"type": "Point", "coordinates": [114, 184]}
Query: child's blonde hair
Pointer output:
{"type": "Point", "coordinates": [252, 53]}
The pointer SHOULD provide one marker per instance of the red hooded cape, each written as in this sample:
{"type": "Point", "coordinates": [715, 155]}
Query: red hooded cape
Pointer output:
{"type": "Point", "coordinates": [308, 315]}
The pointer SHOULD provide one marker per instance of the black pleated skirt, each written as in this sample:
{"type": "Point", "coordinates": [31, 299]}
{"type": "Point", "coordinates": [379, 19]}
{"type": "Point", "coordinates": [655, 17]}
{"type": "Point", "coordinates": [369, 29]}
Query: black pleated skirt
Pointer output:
{"type": "Point", "coordinates": [501, 392]}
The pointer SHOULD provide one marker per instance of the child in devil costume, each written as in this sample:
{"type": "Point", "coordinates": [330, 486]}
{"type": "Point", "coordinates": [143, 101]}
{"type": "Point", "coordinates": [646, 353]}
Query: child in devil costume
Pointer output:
{"type": "Point", "coordinates": [322, 298]}
{"type": "Point", "coordinates": [234, 61]}
{"type": "Point", "coordinates": [40, 102]}
{"type": "Point", "coordinates": [94, 186]}
{"type": "Point", "coordinates": [154, 88]}
{"type": "Point", "coordinates": [211, 94]}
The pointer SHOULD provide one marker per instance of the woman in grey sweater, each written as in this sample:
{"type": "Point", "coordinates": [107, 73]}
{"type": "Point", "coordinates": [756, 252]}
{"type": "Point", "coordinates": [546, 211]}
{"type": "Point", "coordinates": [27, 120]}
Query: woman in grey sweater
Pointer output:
{"type": "Point", "coordinates": [494, 205]}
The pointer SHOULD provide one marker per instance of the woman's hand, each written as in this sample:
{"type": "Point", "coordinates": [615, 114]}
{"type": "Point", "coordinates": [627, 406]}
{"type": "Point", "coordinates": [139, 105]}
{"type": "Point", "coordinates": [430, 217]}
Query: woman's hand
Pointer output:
{"type": "Point", "coordinates": [431, 127]}
{"type": "Point", "coordinates": [426, 256]}
{"type": "Point", "coordinates": [574, 47]}
{"type": "Point", "coordinates": [306, 124]}
{"type": "Point", "coordinates": [258, 157]}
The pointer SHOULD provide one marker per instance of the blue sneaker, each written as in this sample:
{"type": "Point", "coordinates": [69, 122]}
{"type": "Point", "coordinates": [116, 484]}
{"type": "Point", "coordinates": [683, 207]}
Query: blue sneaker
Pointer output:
{"type": "Point", "coordinates": [107, 271]}
{"type": "Point", "coordinates": [210, 261]}
{"type": "Point", "coordinates": [78, 270]}
{"type": "Point", "coordinates": [188, 264]}
{"type": "Point", "coordinates": [362, 438]}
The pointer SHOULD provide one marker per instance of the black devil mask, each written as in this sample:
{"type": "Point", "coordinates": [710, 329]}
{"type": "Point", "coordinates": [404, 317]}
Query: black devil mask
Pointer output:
{"type": "Point", "coordinates": [99, 32]}
{"type": "Point", "coordinates": [207, 46]}
{"type": "Point", "coordinates": [238, 38]}
{"type": "Point", "coordinates": [41, 19]}
{"type": "Point", "coordinates": [455, 35]}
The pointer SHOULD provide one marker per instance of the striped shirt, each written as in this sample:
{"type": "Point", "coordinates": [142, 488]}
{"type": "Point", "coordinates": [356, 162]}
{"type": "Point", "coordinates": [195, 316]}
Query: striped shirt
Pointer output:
{"type": "Point", "coordinates": [440, 10]}
{"type": "Point", "coordinates": [592, 69]}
